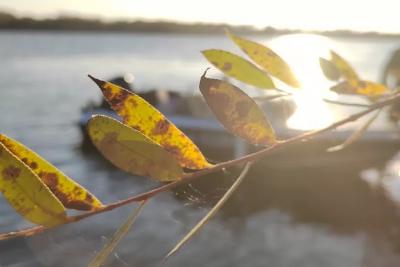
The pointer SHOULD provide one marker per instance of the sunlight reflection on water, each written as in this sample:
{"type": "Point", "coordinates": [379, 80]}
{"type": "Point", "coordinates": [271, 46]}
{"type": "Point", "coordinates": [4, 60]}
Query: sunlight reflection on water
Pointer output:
{"type": "Point", "coordinates": [388, 179]}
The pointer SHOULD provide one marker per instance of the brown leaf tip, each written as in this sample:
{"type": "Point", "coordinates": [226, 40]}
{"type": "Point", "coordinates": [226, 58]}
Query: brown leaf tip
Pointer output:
{"type": "Point", "coordinates": [205, 82]}
{"type": "Point", "coordinates": [99, 83]}
{"type": "Point", "coordinates": [204, 73]}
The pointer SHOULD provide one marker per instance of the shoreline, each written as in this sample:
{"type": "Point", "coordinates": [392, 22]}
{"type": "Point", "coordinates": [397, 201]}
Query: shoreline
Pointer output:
{"type": "Point", "coordinates": [261, 33]}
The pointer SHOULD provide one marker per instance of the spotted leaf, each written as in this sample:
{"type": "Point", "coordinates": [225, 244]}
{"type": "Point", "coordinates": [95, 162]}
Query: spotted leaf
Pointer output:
{"type": "Point", "coordinates": [344, 67]}
{"type": "Point", "coordinates": [357, 87]}
{"type": "Point", "coordinates": [70, 193]}
{"type": "Point", "coordinates": [237, 111]}
{"type": "Point", "coordinates": [267, 59]}
{"type": "Point", "coordinates": [26, 193]}
{"type": "Point", "coordinates": [238, 68]}
{"type": "Point", "coordinates": [142, 116]}
{"type": "Point", "coordinates": [131, 151]}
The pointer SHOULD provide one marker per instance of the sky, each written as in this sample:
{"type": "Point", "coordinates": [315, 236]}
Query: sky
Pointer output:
{"type": "Point", "coordinates": [358, 15]}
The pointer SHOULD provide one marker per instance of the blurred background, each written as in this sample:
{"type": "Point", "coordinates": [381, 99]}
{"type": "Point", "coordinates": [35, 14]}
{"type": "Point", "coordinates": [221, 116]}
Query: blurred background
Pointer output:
{"type": "Point", "coordinates": [299, 207]}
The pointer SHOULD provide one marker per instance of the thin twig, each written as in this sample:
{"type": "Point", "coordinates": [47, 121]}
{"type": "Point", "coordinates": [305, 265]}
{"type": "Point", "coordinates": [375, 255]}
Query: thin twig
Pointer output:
{"type": "Point", "coordinates": [356, 134]}
{"type": "Point", "coordinates": [191, 176]}
{"type": "Point", "coordinates": [351, 104]}
{"type": "Point", "coordinates": [105, 252]}
{"type": "Point", "coordinates": [269, 97]}
{"type": "Point", "coordinates": [212, 212]}
{"type": "Point", "coordinates": [282, 91]}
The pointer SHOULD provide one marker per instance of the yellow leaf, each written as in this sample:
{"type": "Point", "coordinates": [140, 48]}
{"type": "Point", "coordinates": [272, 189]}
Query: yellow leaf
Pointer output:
{"type": "Point", "coordinates": [266, 59]}
{"type": "Point", "coordinates": [131, 151]}
{"type": "Point", "coordinates": [142, 116]}
{"type": "Point", "coordinates": [237, 111]}
{"type": "Point", "coordinates": [238, 68]}
{"type": "Point", "coordinates": [344, 67]}
{"type": "Point", "coordinates": [29, 196]}
{"type": "Point", "coordinates": [357, 87]}
{"type": "Point", "coordinates": [70, 193]}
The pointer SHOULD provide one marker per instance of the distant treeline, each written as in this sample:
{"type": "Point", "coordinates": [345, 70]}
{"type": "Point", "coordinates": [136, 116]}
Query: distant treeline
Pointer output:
{"type": "Point", "coordinates": [69, 23]}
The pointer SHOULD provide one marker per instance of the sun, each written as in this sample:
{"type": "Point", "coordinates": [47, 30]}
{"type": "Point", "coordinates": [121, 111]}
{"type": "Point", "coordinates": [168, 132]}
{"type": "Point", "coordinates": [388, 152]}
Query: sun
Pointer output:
{"type": "Point", "coordinates": [302, 53]}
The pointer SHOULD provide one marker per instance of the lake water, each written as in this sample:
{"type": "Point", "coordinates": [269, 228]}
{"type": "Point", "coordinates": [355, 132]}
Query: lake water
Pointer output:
{"type": "Point", "coordinates": [43, 86]}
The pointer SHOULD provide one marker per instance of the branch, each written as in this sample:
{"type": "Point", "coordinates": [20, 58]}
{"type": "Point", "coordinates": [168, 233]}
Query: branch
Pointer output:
{"type": "Point", "coordinates": [188, 177]}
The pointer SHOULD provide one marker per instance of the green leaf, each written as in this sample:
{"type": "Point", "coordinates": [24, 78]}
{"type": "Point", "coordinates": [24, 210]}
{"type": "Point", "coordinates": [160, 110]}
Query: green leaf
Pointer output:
{"type": "Point", "coordinates": [139, 114]}
{"type": "Point", "coordinates": [26, 193]}
{"type": "Point", "coordinates": [131, 151]}
{"type": "Point", "coordinates": [70, 193]}
{"type": "Point", "coordinates": [238, 68]}
{"type": "Point", "coordinates": [267, 59]}
{"type": "Point", "coordinates": [237, 111]}
{"type": "Point", "coordinates": [329, 69]}
{"type": "Point", "coordinates": [344, 67]}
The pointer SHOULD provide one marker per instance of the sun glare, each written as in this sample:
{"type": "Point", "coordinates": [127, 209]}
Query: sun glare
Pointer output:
{"type": "Point", "coordinates": [302, 52]}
